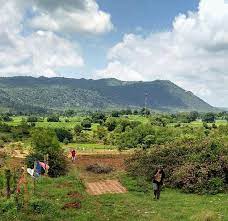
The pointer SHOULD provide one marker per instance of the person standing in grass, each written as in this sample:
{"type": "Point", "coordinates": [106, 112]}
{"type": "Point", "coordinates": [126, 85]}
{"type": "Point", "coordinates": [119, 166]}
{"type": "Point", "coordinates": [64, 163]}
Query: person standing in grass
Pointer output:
{"type": "Point", "coordinates": [73, 155]}
{"type": "Point", "coordinates": [158, 179]}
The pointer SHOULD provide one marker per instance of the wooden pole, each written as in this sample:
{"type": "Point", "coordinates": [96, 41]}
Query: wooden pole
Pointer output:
{"type": "Point", "coordinates": [46, 163]}
{"type": "Point", "coordinates": [34, 179]}
{"type": "Point", "coordinates": [26, 195]}
{"type": "Point", "coordinates": [8, 177]}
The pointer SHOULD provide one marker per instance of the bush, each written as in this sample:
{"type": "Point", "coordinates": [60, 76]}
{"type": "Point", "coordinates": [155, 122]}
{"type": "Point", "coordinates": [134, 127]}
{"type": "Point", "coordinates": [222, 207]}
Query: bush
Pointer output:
{"type": "Point", "coordinates": [96, 168]}
{"type": "Point", "coordinates": [2, 143]}
{"type": "Point", "coordinates": [44, 141]}
{"type": "Point", "coordinates": [209, 118]}
{"type": "Point", "coordinates": [78, 129]}
{"type": "Point", "coordinates": [196, 166]}
{"type": "Point", "coordinates": [66, 141]}
{"type": "Point", "coordinates": [5, 127]}
{"type": "Point", "coordinates": [7, 118]}
{"type": "Point", "coordinates": [63, 134]}
{"type": "Point", "coordinates": [32, 119]}
{"type": "Point", "coordinates": [53, 118]}
{"type": "Point", "coordinates": [86, 123]}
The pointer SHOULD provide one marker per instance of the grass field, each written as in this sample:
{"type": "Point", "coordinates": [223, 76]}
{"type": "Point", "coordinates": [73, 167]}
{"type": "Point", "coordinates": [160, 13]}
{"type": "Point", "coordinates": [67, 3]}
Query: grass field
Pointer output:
{"type": "Point", "coordinates": [87, 147]}
{"type": "Point", "coordinates": [76, 120]}
{"type": "Point", "coordinates": [52, 194]}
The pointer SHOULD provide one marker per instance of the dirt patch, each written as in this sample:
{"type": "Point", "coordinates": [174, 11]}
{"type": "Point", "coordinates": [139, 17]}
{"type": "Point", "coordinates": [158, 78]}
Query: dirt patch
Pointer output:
{"type": "Point", "coordinates": [76, 195]}
{"type": "Point", "coordinates": [72, 205]}
{"type": "Point", "coordinates": [116, 161]}
{"type": "Point", "coordinates": [104, 187]}
{"type": "Point", "coordinates": [96, 168]}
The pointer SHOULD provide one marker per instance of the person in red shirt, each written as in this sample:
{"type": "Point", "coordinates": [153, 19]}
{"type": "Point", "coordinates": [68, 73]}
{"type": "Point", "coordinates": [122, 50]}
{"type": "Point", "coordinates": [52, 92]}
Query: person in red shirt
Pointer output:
{"type": "Point", "coordinates": [73, 155]}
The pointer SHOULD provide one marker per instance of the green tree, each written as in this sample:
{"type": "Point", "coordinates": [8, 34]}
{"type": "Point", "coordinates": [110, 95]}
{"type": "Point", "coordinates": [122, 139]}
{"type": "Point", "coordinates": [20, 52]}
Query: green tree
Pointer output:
{"type": "Point", "coordinates": [209, 118]}
{"type": "Point", "coordinates": [98, 117]}
{"type": "Point", "coordinates": [111, 123]}
{"type": "Point", "coordinates": [32, 119]}
{"type": "Point", "coordinates": [69, 113]}
{"type": "Point", "coordinates": [115, 114]}
{"type": "Point", "coordinates": [149, 140]}
{"type": "Point", "coordinates": [193, 116]}
{"type": "Point", "coordinates": [44, 141]}
{"type": "Point", "coordinates": [101, 132]}
{"type": "Point", "coordinates": [53, 118]}
{"type": "Point", "coordinates": [63, 134]}
{"type": "Point", "coordinates": [78, 129]}
{"type": "Point", "coordinates": [86, 123]}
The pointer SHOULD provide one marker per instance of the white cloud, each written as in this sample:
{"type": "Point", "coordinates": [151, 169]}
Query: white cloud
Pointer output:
{"type": "Point", "coordinates": [36, 53]}
{"type": "Point", "coordinates": [70, 16]}
{"type": "Point", "coordinates": [193, 54]}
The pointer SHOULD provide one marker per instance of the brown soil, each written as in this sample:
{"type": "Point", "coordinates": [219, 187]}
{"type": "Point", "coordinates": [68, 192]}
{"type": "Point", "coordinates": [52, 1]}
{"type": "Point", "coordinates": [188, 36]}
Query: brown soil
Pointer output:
{"type": "Point", "coordinates": [106, 186]}
{"type": "Point", "coordinates": [75, 195]}
{"type": "Point", "coordinates": [72, 205]}
{"type": "Point", "coordinates": [116, 161]}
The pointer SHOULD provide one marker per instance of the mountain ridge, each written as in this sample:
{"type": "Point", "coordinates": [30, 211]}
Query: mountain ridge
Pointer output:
{"type": "Point", "coordinates": [60, 93]}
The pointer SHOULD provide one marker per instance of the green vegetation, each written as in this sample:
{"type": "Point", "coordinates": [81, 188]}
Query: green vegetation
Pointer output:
{"type": "Point", "coordinates": [134, 205]}
{"type": "Point", "coordinates": [195, 166]}
{"type": "Point", "coordinates": [192, 148]}
{"type": "Point", "coordinates": [42, 95]}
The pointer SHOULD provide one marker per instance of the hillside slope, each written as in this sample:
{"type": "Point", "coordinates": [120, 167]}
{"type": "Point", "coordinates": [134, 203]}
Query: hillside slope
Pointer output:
{"type": "Point", "coordinates": [65, 93]}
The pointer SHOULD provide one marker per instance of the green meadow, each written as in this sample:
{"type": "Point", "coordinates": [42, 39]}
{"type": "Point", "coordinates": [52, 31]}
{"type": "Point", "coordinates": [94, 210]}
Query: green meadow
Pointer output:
{"type": "Point", "coordinates": [52, 194]}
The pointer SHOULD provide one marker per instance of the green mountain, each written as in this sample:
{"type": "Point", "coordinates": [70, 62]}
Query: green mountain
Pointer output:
{"type": "Point", "coordinates": [40, 94]}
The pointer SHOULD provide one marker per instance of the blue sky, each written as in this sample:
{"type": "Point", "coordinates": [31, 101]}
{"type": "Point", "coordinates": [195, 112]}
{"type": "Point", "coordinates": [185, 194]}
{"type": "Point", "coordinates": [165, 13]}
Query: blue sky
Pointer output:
{"type": "Point", "coordinates": [184, 41]}
{"type": "Point", "coordinates": [130, 16]}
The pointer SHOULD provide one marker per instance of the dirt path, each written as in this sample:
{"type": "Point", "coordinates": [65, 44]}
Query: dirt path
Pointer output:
{"type": "Point", "coordinates": [97, 184]}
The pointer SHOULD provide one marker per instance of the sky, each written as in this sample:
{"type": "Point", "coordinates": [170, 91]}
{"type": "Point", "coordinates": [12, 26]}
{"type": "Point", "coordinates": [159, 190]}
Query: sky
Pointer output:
{"type": "Point", "coordinates": [185, 42]}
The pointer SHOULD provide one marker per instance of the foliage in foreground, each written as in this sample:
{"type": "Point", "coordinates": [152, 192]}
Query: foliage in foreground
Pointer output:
{"type": "Point", "coordinates": [137, 204]}
{"type": "Point", "coordinates": [199, 166]}
{"type": "Point", "coordinates": [44, 141]}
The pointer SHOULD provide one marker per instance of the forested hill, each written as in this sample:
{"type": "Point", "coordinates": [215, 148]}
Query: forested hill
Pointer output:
{"type": "Point", "coordinates": [64, 93]}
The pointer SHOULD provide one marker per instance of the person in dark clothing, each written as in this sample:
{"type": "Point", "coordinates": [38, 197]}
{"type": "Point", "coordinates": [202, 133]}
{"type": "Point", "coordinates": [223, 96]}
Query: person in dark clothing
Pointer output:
{"type": "Point", "coordinates": [73, 155]}
{"type": "Point", "coordinates": [158, 179]}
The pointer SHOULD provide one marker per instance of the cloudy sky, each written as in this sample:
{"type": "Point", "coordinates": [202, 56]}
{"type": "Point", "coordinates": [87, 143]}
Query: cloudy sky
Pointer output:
{"type": "Point", "coordinates": [182, 41]}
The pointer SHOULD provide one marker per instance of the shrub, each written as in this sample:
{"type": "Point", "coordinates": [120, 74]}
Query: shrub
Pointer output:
{"type": "Point", "coordinates": [63, 134]}
{"type": "Point", "coordinates": [78, 129]}
{"type": "Point", "coordinates": [5, 127]}
{"type": "Point", "coordinates": [98, 117]}
{"type": "Point", "coordinates": [86, 123]}
{"type": "Point", "coordinates": [58, 164]}
{"type": "Point", "coordinates": [44, 141]}
{"type": "Point", "coordinates": [32, 119]}
{"type": "Point", "coordinates": [96, 168]}
{"type": "Point", "coordinates": [196, 166]}
{"type": "Point", "coordinates": [66, 141]}
{"type": "Point", "coordinates": [7, 118]}
{"type": "Point", "coordinates": [2, 143]}
{"type": "Point", "coordinates": [53, 118]}
{"type": "Point", "coordinates": [111, 123]}
{"type": "Point", "coordinates": [209, 118]}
